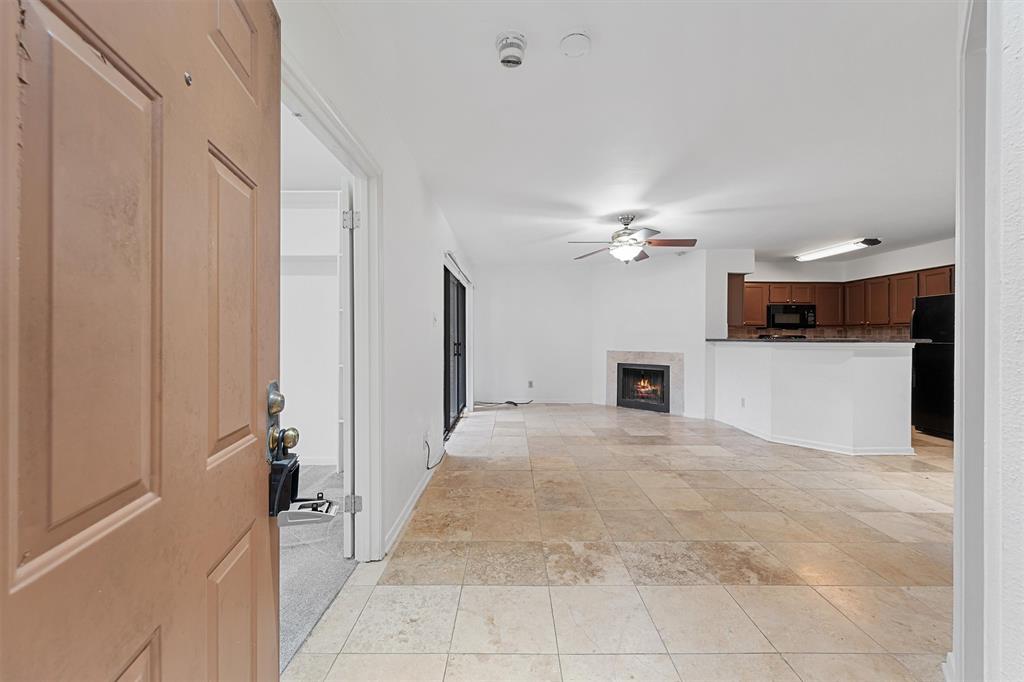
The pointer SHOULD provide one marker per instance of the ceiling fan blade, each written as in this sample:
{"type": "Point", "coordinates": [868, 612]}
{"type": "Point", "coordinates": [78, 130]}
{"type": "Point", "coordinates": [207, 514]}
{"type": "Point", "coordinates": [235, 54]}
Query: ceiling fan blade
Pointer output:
{"type": "Point", "coordinates": [588, 242]}
{"type": "Point", "coordinates": [644, 233]}
{"type": "Point", "coordinates": [640, 256]}
{"type": "Point", "coordinates": [671, 242]}
{"type": "Point", "coordinates": [587, 255]}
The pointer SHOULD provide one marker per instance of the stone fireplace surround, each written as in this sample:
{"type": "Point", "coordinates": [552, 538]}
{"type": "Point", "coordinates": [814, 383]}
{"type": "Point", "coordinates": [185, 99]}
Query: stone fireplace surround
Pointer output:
{"type": "Point", "coordinates": [675, 373]}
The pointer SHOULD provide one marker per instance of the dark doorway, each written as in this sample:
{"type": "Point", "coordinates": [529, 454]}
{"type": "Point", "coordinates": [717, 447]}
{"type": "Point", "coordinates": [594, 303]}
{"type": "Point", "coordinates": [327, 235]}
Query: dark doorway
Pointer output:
{"type": "Point", "coordinates": [454, 350]}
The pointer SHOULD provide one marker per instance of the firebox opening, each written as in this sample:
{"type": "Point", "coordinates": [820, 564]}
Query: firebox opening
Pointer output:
{"type": "Point", "coordinates": [643, 387]}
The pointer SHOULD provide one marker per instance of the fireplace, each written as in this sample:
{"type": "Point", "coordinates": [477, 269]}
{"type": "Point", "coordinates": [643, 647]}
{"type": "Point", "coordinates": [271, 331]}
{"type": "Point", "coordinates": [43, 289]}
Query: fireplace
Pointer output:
{"type": "Point", "coordinates": [643, 387]}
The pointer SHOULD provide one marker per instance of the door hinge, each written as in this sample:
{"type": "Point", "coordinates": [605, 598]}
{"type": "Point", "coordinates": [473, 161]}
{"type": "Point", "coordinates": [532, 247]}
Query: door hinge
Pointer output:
{"type": "Point", "coordinates": [350, 504]}
{"type": "Point", "coordinates": [351, 220]}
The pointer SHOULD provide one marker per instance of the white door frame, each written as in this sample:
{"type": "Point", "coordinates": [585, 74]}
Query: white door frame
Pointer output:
{"type": "Point", "coordinates": [966, 660]}
{"type": "Point", "coordinates": [319, 117]}
{"type": "Point", "coordinates": [988, 537]}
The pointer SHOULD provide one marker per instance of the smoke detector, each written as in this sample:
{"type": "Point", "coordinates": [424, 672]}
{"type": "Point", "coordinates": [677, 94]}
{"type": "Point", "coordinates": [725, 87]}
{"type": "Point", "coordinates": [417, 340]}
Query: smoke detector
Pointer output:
{"type": "Point", "coordinates": [511, 45]}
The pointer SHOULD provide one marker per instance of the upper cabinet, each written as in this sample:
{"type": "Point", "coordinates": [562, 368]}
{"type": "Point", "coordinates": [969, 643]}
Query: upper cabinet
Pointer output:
{"type": "Point", "coordinates": [935, 281]}
{"type": "Point", "coordinates": [885, 300]}
{"type": "Point", "coordinates": [796, 292]}
{"type": "Point", "coordinates": [755, 305]}
{"type": "Point", "coordinates": [853, 294]}
{"type": "Point", "coordinates": [802, 293]}
{"type": "Point", "coordinates": [902, 290]}
{"type": "Point", "coordinates": [829, 301]}
{"type": "Point", "coordinates": [876, 301]}
{"type": "Point", "coordinates": [735, 300]}
{"type": "Point", "coordinates": [779, 293]}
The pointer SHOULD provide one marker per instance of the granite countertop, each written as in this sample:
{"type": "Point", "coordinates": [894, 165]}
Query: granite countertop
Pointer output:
{"type": "Point", "coordinates": [822, 340]}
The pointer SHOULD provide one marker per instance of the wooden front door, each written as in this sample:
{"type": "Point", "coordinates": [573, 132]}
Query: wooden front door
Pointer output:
{"type": "Point", "coordinates": [138, 333]}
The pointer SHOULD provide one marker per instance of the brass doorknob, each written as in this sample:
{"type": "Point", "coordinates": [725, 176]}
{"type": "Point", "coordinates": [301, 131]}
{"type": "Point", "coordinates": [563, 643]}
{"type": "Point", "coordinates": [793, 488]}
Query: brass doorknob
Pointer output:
{"type": "Point", "coordinates": [289, 438]}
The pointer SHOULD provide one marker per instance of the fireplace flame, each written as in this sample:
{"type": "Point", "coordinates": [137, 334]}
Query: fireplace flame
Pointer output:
{"type": "Point", "coordinates": [645, 389]}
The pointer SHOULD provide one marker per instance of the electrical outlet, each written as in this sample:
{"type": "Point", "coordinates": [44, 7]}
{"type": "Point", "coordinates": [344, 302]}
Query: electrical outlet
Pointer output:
{"type": "Point", "coordinates": [743, 402]}
{"type": "Point", "coordinates": [529, 384]}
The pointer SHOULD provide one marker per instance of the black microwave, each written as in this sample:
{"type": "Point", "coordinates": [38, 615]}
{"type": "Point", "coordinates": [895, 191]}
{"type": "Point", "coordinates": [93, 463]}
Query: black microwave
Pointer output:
{"type": "Point", "coordinates": [791, 316]}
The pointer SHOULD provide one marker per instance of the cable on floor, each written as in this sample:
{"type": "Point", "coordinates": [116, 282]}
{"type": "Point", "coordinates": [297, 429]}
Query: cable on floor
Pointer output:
{"type": "Point", "coordinates": [429, 465]}
{"type": "Point", "coordinates": [513, 403]}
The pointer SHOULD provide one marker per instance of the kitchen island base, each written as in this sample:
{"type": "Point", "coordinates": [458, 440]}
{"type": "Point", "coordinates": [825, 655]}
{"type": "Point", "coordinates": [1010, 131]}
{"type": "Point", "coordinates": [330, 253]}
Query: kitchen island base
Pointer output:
{"type": "Point", "coordinates": [848, 398]}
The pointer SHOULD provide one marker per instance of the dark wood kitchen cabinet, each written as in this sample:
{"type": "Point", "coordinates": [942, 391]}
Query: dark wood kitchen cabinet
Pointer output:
{"type": "Point", "coordinates": [801, 293]}
{"type": "Point", "coordinates": [853, 295]}
{"type": "Point", "coordinates": [755, 305]}
{"type": "Point", "coordinates": [935, 281]}
{"type": "Point", "coordinates": [902, 290]}
{"type": "Point", "coordinates": [876, 301]}
{"type": "Point", "coordinates": [796, 292]}
{"type": "Point", "coordinates": [828, 298]}
{"type": "Point", "coordinates": [734, 306]}
{"type": "Point", "coordinates": [779, 293]}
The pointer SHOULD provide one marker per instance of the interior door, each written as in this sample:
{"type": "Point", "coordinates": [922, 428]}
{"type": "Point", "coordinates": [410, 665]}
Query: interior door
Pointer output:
{"type": "Point", "coordinates": [138, 304]}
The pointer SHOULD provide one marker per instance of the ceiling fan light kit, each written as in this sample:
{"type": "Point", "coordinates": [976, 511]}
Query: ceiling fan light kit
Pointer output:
{"type": "Point", "coordinates": [836, 249]}
{"type": "Point", "coordinates": [626, 252]}
{"type": "Point", "coordinates": [627, 244]}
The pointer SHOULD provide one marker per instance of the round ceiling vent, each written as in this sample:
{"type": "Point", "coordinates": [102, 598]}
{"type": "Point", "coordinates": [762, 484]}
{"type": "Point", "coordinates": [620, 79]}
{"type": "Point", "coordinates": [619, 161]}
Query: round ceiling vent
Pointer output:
{"type": "Point", "coordinates": [575, 45]}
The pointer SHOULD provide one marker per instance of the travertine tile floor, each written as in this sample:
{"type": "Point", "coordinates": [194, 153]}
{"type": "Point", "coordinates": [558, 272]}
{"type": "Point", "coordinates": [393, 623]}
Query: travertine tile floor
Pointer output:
{"type": "Point", "coordinates": [583, 542]}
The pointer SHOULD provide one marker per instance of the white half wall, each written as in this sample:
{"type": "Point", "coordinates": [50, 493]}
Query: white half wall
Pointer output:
{"type": "Point", "coordinates": [533, 324]}
{"type": "Point", "coordinates": [414, 236]}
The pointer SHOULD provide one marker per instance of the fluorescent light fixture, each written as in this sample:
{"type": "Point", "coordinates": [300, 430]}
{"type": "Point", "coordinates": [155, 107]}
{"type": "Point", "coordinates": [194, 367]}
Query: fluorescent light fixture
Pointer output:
{"type": "Point", "coordinates": [836, 249]}
{"type": "Point", "coordinates": [626, 252]}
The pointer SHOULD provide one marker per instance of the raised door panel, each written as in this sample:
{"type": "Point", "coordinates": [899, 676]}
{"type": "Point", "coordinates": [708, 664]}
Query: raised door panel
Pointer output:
{"type": "Point", "coordinates": [854, 306]}
{"type": "Point", "coordinates": [231, 314]}
{"type": "Point", "coordinates": [755, 305]}
{"type": "Point", "coordinates": [828, 299]}
{"type": "Point", "coordinates": [231, 615]}
{"type": "Point", "coordinates": [936, 281]}
{"type": "Point", "coordinates": [877, 301]}
{"type": "Point", "coordinates": [902, 290]}
{"type": "Point", "coordinates": [802, 293]}
{"type": "Point", "coordinates": [779, 293]}
{"type": "Point", "coordinates": [89, 292]}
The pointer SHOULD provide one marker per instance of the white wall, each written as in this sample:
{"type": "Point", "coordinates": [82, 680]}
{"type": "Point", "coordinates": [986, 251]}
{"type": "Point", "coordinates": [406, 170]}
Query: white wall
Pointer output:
{"type": "Point", "coordinates": [657, 305]}
{"type": "Point", "coordinates": [414, 235]}
{"type": "Point", "coordinates": [310, 323]}
{"type": "Point", "coordinates": [533, 324]}
{"type": "Point", "coordinates": [930, 255]}
{"type": "Point", "coordinates": [791, 271]}
{"type": "Point", "coordinates": [920, 257]}
{"type": "Point", "coordinates": [556, 325]}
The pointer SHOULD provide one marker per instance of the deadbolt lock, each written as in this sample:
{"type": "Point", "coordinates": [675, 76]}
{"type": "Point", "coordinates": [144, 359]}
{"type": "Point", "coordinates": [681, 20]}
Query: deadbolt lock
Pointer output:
{"type": "Point", "coordinates": [289, 438]}
{"type": "Point", "coordinates": [275, 402]}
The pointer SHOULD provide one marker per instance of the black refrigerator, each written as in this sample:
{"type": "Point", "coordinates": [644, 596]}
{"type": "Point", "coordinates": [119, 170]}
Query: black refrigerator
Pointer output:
{"type": "Point", "coordinates": [932, 392]}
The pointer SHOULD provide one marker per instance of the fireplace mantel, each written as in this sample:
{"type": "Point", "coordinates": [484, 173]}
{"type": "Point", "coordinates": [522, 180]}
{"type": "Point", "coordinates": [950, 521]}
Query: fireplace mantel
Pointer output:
{"type": "Point", "coordinates": [673, 360]}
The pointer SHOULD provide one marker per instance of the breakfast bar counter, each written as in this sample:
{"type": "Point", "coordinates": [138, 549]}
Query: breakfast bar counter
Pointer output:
{"type": "Point", "coordinates": [840, 395]}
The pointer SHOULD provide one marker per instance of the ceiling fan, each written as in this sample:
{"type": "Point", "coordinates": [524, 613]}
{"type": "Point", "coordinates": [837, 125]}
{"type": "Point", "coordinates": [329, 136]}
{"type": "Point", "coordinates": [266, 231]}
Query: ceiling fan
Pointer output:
{"type": "Point", "coordinates": [628, 243]}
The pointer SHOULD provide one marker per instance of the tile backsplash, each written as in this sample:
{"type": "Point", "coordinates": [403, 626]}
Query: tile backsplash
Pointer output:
{"type": "Point", "coordinates": [853, 332]}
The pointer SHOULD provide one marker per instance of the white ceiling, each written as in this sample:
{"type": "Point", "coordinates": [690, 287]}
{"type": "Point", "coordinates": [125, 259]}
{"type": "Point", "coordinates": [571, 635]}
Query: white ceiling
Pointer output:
{"type": "Point", "coordinates": [306, 164]}
{"type": "Point", "coordinates": [779, 126]}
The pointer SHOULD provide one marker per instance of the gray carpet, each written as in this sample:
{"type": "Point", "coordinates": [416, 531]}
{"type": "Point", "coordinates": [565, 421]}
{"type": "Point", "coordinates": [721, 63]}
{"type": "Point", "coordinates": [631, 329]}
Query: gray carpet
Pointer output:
{"type": "Point", "coordinates": [313, 567]}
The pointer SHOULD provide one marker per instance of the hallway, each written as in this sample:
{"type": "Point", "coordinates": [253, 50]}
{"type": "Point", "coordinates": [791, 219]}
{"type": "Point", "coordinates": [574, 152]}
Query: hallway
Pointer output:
{"type": "Point", "coordinates": [583, 542]}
